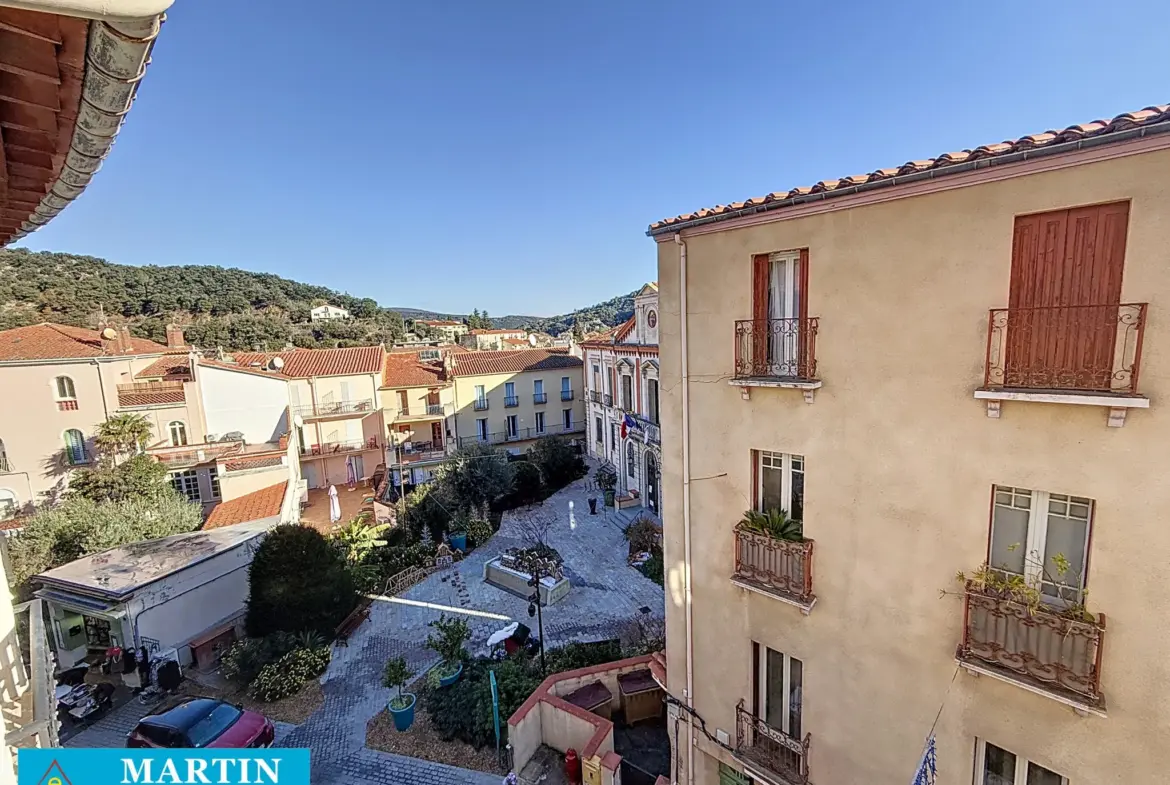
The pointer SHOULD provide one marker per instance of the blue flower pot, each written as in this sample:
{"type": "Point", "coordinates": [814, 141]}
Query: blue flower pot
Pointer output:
{"type": "Point", "coordinates": [403, 718]}
{"type": "Point", "coordinates": [454, 677]}
{"type": "Point", "coordinates": [458, 542]}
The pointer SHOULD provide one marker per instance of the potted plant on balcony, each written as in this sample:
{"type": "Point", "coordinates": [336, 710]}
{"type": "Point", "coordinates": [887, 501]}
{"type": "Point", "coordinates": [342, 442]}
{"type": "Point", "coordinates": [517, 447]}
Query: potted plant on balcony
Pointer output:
{"type": "Point", "coordinates": [774, 523]}
{"type": "Point", "coordinates": [607, 481]}
{"type": "Point", "coordinates": [447, 641]}
{"type": "Point", "coordinates": [396, 674]}
{"type": "Point", "coordinates": [1067, 602]}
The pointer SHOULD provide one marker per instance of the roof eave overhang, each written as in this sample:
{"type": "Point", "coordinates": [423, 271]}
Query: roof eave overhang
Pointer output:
{"type": "Point", "coordinates": [1114, 138]}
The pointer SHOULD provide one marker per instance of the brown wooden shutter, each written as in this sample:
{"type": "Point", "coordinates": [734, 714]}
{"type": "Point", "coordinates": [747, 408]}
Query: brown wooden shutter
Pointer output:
{"type": "Point", "coordinates": [761, 269]}
{"type": "Point", "coordinates": [803, 283]}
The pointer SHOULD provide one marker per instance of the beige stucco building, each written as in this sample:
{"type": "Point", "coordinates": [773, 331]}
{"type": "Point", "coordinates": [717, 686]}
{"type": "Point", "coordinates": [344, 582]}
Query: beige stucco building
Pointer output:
{"type": "Point", "coordinates": [511, 398]}
{"type": "Point", "coordinates": [447, 329]}
{"type": "Point", "coordinates": [933, 367]}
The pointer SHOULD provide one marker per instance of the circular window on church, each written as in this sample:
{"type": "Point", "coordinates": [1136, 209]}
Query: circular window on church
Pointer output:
{"type": "Point", "coordinates": [652, 319]}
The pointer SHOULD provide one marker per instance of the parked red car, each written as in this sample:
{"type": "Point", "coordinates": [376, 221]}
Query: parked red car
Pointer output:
{"type": "Point", "coordinates": [202, 722]}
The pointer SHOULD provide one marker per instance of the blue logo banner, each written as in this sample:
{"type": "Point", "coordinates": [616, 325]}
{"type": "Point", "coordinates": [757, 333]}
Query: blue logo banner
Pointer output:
{"type": "Point", "coordinates": [163, 767]}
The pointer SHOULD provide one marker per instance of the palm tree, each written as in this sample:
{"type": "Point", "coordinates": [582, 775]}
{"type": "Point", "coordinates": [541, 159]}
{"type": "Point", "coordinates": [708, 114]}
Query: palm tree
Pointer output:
{"type": "Point", "coordinates": [357, 540]}
{"type": "Point", "coordinates": [122, 434]}
{"type": "Point", "coordinates": [775, 523]}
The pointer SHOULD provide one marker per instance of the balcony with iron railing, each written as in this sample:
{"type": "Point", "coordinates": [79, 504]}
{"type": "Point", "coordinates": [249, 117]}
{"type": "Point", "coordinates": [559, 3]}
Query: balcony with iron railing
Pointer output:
{"type": "Point", "coordinates": [770, 751]}
{"type": "Point", "coordinates": [649, 430]}
{"type": "Point", "coordinates": [776, 353]}
{"type": "Point", "coordinates": [480, 404]}
{"type": "Point", "coordinates": [1079, 354]}
{"type": "Point", "coordinates": [325, 449]}
{"type": "Point", "coordinates": [780, 568]}
{"type": "Point", "coordinates": [522, 434]}
{"type": "Point", "coordinates": [566, 395]}
{"type": "Point", "coordinates": [539, 397]}
{"type": "Point", "coordinates": [1046, 650]}
{"type": "Point", "coordinates": [595, 396]}
{"type": "Point", "coordinates": [511, 401]}
{"type": "Point", "coordinates": [606, 399]}
{"type": "Point", "coordinates": [334, 409]}
{"type": "Point", "coordinates": [422, 411]}
{"type": "Point", "coordinates": [419, 452]}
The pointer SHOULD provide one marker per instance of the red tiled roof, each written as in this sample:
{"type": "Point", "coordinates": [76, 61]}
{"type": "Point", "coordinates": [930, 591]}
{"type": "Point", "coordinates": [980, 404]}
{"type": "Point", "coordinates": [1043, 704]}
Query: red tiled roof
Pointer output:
{"type": "Point", "coordinates": [243, 464]}
{"type": "Point", "coordinates": [1074, 133]}
{"type": "Point", "coordinates": [512, 361]}
{"type": "Point", "coordinates": [624, 329]}
{"type": "Point", "coordinates": [515, 342]}
{"type": "Point", "coordinates": [494, 332]}
{"type": "Point", "coordinates": [130, 398]}
{"type": "Point", "coordinates": [439, 322]}
{"type": "Point", "coordinates": [303, 363]}
{"type": "Point", "coordinates": [254, 506]}
{"type": "Point", "coordinates": [174, 366]}
{"type": "Point", "coordinates": [47, 341]}
{"type": "Point", "coordinates": [405, 369]}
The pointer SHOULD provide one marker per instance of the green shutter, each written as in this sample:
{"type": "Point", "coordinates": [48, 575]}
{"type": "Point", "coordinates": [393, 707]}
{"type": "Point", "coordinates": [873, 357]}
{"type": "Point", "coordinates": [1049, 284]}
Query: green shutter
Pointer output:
{"type": "Point", "coordinates": [729, 776]}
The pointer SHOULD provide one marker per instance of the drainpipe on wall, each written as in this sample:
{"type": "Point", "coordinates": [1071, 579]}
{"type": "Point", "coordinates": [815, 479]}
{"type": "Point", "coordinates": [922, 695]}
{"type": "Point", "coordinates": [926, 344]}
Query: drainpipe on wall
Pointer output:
{"type": "Point", "coordinates": [686, 501]}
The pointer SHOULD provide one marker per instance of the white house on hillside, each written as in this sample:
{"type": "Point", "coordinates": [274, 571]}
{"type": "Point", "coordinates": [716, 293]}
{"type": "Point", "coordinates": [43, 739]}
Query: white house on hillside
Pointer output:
{"type": "Point", "coordinates": [324, 313]}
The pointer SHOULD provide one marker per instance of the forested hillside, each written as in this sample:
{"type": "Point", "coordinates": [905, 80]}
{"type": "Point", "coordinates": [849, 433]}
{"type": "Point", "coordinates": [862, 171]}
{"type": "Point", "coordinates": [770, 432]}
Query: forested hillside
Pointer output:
{"type": "Point", "coordinates": [219, 307]}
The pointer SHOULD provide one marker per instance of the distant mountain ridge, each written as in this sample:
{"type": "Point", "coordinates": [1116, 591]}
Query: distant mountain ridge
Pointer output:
{"type": "Point", "coordinates": [222, 307]}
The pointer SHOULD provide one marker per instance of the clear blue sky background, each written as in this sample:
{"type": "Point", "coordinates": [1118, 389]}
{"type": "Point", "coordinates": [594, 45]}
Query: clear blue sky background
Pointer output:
{"type": "Point", "coordinates": [509, 155]}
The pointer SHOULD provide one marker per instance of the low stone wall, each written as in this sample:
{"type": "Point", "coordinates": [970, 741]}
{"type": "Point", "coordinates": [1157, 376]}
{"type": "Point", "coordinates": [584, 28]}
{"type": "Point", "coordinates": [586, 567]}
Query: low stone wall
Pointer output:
{"type": "Point", "coordinates": [516, 582]}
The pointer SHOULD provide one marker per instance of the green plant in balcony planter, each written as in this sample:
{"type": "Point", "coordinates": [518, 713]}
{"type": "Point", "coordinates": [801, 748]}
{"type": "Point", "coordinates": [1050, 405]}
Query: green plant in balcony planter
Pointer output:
{"type": "Point", "coordinates": [395, 675]}
{"type": "Point", "coordinates": [447, 641]}
{"type": "Point", "coordinates": [774, 523]}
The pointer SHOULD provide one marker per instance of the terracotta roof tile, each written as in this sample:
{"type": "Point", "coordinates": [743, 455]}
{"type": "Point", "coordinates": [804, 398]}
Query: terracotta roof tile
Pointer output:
{"type": "Point", "coordinates": [47, 341]}
{"type": "Point", "coordinates": [494, 332]}
{"type": "Point", "coordinates": [513, 361]}
{"type": "Point", "coordinates": [128, 399]}
{"type": "Point", "coordinates": [303, 363]}
{"type": "Point", "coordinates": [255, 506]}
{"type": "Point", "coordinates": [174, 366]}
{"type": "Point", "coordinates": [405, 369]}
{"type": "Point", "coordinates": [1122, 122]}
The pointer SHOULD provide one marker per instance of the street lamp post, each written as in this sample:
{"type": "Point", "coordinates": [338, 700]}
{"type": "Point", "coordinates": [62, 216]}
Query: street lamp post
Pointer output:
{"type": "Point", "coordinates": [535, 606]}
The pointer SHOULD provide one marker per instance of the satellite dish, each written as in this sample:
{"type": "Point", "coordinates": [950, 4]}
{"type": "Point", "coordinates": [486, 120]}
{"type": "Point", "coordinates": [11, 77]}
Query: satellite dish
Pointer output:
{"type": "Point", "coordinates": [277, 363]}
{"type": "Point", "coordinates": [109, 333]}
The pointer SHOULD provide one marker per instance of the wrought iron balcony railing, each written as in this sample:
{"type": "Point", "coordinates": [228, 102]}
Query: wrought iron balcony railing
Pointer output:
{"type": "Point", "coordinates": [1039, 646]}
{"type": "Point", "coordinates": [540, 397]}
{"type": "Point", "coordinates": [511, 401]}
{"type": "Point", "coordinates": [778, 566]}
{"type": "Point", "coordinates": [566, 395]}
{"type": "Point", "coordinates": [595, 396]}
{"type": "Point", "coordinates": [334, 408]}
{"type": "Point", "coordinates": [522, 434]}
{"type": "Point", "coordinates": [1074, 348]}
{"type": "Point", "coordinates": [481, 404]}
{"type": "Point", "coordinates": [428, 410]}
{"type": "Point", "coordinates": [333, 448]}
{"type": "Point", "coordinates": [783, 349]}
{"type": "Point", "coordinates": [607, 399]}
{"type": "Point", "coordinates": [770, 749]}
{"type": "Point", "coordinates": [415, 452]}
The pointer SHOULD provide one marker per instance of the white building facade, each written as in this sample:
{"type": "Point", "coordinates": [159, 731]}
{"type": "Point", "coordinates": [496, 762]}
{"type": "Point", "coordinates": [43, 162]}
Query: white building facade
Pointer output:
{"type": "Point", "coordinates": [325, 313]}
{"type": "Point", "coordinates": [621, 399]}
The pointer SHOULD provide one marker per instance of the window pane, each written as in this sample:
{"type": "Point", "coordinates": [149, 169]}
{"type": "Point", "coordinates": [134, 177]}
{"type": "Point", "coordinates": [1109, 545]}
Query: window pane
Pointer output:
{"type": "Point", "coordinates": [775, 701]}
{"type": "Point", "coordinates": [770, 491]}
{"type": "Point", "coordinates": [795, 695]}
{"type": "Point", "coordinates": [999, 766]}
{"type": "Point", "coordinates": [797, 511]}
{"type": "Point", "coordinates": [1009, 530]}
{"type": "Point", "coordinates": [1038, 775]}
{"type": "Point", "coordinates": [1067, 535]}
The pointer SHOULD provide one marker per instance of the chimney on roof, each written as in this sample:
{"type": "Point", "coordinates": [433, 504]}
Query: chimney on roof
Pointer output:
{"type": "Point", "coordinates": [125, 342]}
{"type": "Point", "coordinates": [175, 337]}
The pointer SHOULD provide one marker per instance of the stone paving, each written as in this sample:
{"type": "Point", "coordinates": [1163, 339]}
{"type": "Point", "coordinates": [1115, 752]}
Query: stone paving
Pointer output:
{"type": "Point", "coordinates": [606, 596]}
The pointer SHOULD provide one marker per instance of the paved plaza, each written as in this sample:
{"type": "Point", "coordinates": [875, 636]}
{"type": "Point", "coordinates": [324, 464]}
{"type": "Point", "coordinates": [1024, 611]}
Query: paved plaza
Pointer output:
{"type": "Point", "coordinates": [607, 596]}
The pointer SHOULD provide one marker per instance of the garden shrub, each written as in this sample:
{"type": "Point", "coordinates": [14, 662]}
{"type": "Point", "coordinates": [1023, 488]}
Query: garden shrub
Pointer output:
{"type": "Point", "coordinates": [582, 655]}
{"type": "Point", "coordinates": [298, 581]}
{"type": "Point", "coordinates": [653, 568]}
{"type": "Point", "coordinates": [559, 461]}
{"type": "Point", "coordinates": [247, 657]}
{"type": "Point", "coordinates": [479, 531]}
{"type": "Point", "coordinates": [643, 535]}
{"type": "Point", "coordinates": [527, 484]}
{"type": "Point", "coordinates": [395, 559]}
{"type": "Point", "coordinates": [289, 674]}
{"type": "Point", "coordinates": [463, 710]}
{"type": "Point", "coordinates": [399, 536]}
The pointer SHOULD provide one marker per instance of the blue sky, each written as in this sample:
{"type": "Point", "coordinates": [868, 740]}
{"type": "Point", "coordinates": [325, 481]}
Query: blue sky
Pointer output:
{"type": "Point", "coordinates": [464, 154]}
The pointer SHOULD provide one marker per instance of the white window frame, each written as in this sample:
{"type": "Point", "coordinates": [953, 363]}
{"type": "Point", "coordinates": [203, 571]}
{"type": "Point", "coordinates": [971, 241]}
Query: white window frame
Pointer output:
{"type": "Point", "coordinates": [786, 687]}
{"type": "Point", "coordinates": [171, 433]}
{"type": "Point", "coordinates": [788, 464]}
{"type": "Point", "coordinates": [599, 431]}
{"type": "Point", "coordinates": [213, 483]}
{"type": "Point", "coordinates": [184, 481]}
{"type": "Point", "coordinates": [623, 374]}
{"type": "Point", "coordinates": [512, 425]}
{"type": "Point", "coordinates": [70, 395]}
{"type": "Point", "coordinates": [509, 389]}
{"type": "Point", "coordinates": [480, 393]}
{"type": "Point", "coordinates": [537, 386]}
{"type": "Point", "coordinates": [1038, 513]}
{"type": "Point", "coordinates": [539, 423]}
{"type": "Point", "coordinates": [566, 384]}
{"type": "Point", "coordinates": [481, 429]}
{"type": "Point", "coordinates": [567, 419]}
{"type": "Point", "coordinates": [1021, 775]}
{"type": "Point", "coordinates": [84, 449]}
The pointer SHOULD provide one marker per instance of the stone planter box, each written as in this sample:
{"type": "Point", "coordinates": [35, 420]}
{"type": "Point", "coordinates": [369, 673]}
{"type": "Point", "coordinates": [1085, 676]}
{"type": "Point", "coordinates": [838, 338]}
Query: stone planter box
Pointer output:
{"type": "Point", "coordinates": [516, 582]}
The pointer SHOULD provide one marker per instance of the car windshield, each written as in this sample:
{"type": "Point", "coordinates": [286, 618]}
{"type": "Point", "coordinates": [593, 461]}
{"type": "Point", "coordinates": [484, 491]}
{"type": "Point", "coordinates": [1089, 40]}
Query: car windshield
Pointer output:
{"type": "Point", "coordinates": [208, 729]}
